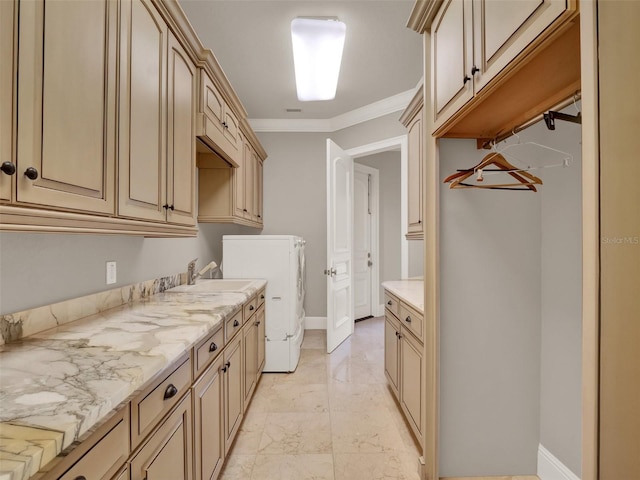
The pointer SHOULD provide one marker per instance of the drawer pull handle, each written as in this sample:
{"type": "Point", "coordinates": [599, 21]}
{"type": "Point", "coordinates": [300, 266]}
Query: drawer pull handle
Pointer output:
{"type": "Point", "coordinates": [213, 347]}
{"type": "Point", "coordinates": [236, 323]}
{"type": "Point", "coordinates": [251, 308]}
{"type": "Point", "coordinates": [408, 319]}
{"type": "Point", "coordinates": [170, 392]}
{"type": "Point", "coordinates": [389, 303]}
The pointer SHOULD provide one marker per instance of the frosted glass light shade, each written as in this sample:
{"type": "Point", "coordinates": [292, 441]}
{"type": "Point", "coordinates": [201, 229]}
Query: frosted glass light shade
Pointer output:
{"type": "Point", "coordinates": [317, 54]}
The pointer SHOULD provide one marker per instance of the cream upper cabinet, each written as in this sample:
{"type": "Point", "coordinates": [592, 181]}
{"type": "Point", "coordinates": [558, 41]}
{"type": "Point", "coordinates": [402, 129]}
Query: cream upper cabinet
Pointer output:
{"type": "Point", "coordinates": [259, 190]}
{"type": "Point", "coordinates": [474, 40]}
{"type": "Point", "coordinates": [67, 104]}
{"type": "Point", "coordinates": [181, 138]}
{"type": "Point", "coordinates": [249, 171]}
{"type": "Point", "coordinates": [157, 120]}
{"type": "Point", "coordinates": [413, 119]}
{"type": "Point", "coordinates": [7, 83]}
{"type": "Point", "coordinates": [218, 125]}
{"type": "Point", "coordinates": [143, 102]}
{"type": "Point", "coordinates": [239, 183]}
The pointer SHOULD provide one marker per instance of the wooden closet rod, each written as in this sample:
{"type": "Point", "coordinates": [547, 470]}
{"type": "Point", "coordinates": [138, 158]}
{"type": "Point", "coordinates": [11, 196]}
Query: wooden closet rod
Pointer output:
{"type": "Point", "coordinates": [565, 103]}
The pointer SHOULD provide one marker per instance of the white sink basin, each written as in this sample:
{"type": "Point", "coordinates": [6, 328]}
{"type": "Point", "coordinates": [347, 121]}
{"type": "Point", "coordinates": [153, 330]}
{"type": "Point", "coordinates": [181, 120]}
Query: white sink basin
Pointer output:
{"type": "Point", "coordinates": [213, 285]}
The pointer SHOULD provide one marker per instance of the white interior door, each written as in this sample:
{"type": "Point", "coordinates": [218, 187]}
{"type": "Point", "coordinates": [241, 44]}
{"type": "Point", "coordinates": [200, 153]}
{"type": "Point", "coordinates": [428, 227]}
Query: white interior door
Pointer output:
{"type": "Point", "coordinates": [340, 312]}
{"type": "Point", "coordinates": [362, 249]}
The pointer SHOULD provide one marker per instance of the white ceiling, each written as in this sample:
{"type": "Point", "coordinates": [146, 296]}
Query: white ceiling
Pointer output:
{"type": "Point", "coordinates": [252, 41]}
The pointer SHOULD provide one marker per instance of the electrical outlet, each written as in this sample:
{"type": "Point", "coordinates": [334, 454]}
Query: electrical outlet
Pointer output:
{"type": "Point", "coordinates": [111, 273]}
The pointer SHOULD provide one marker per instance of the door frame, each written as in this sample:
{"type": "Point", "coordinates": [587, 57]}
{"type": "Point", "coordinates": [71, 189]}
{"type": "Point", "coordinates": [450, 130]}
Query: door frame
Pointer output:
{"type": "Point", "coordinates": [393, 144]}
{"type": "Point", "coordinates": [377, 309]}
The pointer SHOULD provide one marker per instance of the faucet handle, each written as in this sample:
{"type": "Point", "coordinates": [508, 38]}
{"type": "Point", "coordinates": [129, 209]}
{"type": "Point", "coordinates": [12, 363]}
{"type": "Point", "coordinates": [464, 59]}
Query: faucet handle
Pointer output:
{"type": "Point", "coordinates": [192, 263]}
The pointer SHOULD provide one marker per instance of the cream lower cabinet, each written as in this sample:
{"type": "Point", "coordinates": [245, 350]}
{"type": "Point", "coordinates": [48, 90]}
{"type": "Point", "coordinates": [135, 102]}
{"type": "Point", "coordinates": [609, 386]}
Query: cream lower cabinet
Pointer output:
{"type": "Point", "coordinates": [124, 475]}
{"type": "Point", "coordinates": [403, 360]}
{"type": "Point", "coordinates": [157, 120]}
{"type": "Point", "coordinates": [474, 40]}
{"type": "Point", "coordinates": [250, 350]}
{"type": "Point", "coordinates": [233, 390]}
{"type": "Point", "coordinates": [168, 453]}
{"type": "Point", "coordinates": [208, 422]}
{"type": "Point", "coordinates": [260, 318]}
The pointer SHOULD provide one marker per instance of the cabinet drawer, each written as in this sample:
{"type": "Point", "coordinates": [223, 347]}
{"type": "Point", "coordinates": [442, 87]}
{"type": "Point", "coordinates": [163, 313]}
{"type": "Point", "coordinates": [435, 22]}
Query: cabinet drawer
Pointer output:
{"type": "Point", "coordinates": [412, 320]}
{"type": "Point", "coordinates": [233, 325]}
{"type": "Point", "coordinates": [261, 297]}
{"type": "Point", "coordinates": [105, 457]}
{"type": "Point", "coordinates": [391, 303]}
{"type": "Point", "coordinates": [149, 407]}
{"type": "Point", "coordinates": [206, 351]}
{"type": "Point", "coordinates": [250, 308]}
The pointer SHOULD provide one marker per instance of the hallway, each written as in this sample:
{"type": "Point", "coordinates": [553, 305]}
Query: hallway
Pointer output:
{"type": "Point", "coordinates": [333, 418]}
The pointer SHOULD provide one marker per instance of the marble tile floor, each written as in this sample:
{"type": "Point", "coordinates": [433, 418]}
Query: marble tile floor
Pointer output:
{"type": "Point", "coordinates": [333, 418]}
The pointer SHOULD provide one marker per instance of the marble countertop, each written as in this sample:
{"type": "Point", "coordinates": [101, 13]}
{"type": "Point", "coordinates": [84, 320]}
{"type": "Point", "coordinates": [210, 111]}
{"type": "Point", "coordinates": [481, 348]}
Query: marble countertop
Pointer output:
{"type": "Point", "coordinates": [411, 291]}
{"type": "Point", "coordinates": [55, 386]}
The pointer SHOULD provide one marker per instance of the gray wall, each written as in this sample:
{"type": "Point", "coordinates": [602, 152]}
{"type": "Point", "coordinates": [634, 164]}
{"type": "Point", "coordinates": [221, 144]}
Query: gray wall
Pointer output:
{"type": "Point", "coordinates": [561, 315]}
{"type": "Point", "coordinates": [388, 165]}
{"type": "Point", "coordinates": [490, 325]}
{"type": "Point", "coordinates": [40, 269]}
{"type": "Point", "coordinates": [511, 312]}
{"type": "Point", "coordinates": [295, 195]}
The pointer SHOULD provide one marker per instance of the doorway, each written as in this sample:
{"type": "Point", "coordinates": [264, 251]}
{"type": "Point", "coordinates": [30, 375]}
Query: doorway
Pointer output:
{"type": "Point", "coordinates": [366, 268]}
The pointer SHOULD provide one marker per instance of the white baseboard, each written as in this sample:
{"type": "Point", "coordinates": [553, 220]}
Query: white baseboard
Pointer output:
{"type": "Point", "coordinates": [379, 311]}
{"type": "Point", "coordinates": [550, 468]}
{"type": "Point", "coordinates": [315, 323]}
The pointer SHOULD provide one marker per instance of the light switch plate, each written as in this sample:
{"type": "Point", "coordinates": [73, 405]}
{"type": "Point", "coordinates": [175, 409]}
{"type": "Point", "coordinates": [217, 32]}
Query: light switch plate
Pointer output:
{"type": "Point", "coordinates": [111, 273]}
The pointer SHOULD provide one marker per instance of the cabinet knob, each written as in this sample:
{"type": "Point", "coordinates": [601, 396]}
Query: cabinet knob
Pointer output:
{"type": "Point", "coordinates": [408, 319]}
{"type": "Point", "coordinates": [474, 70]}
{"type": "Point", "coordinates": [170, 392]}
{"type": "Point", "coordinates": [213, 347]}
{"type": "Point", "coordinates": [226, 367]}
{"type": "Point", "coordinates": [168, 207]}
{"type": "Point", "coordinates": [236, 323]}
{"type": "Point", "coordinates": [257, 323]}
{"type": "Point", "coordinates": [389, 303]}
{"type": "Point", "coordinates": [259, 216]}
{"type": "Point", "coordinates": [245, 210]}
{"type": "Point", "coordinates": [251, 308]}
{"type": "Point", "coordinates": [31, 173]}
{"type": "Point", "coordinates": [81, 477]}
{"type": "Point", "coordinates": [261, 297]}
{"type": "Point", "coordinates": [466, 78]}
{"type": "Point", "coordinates": [8, 167]}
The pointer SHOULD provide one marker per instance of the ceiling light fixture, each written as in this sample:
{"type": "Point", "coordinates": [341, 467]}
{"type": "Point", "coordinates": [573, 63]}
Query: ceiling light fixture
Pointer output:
{"type": "Point", "coordinates": [317, 54]}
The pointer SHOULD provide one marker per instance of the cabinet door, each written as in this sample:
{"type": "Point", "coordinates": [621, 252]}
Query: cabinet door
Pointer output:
{"type": "Point", "coordinates": [168, 453]}
{"type": "Point", "coordinates": [124, 475]}
{"type": "Point", "coordinates": [414, 206]}
{"type": "Point", "coordinates": [208, 423]}
{"type": "Point", "coordinates": [254, 188]}
{"type": "Point", "coordinates": [181, 136]}
{"type": "Point", "coordinates": [143, 97]}
{"type": "Point", "coordinates": [213, 107]}
{"type": "Point", "coordinates": [260, 190]}
{"type": "Point", "coordinates": [233, 406]}
{"type": "Point", "coordinates": [260, 318]}
{"type": "Point", "coordinates": [503, 29]}
{"type": "Point", "coordinates": [250, 347]}
{"type": "Point", "coordinates": [391, 343]}
{"type": "Point", "coordinates": [67, 104]}
{"type": "Point", "coordinates": [7, 79]}
{"type": "Point", "coordinates": [411, 381]}
{"type": "Point", "coordinates": [249, 171]}
{"type": "Point", "coordinates": [239, 207]}
{"type": "Point", "coordinates": [452, 58]}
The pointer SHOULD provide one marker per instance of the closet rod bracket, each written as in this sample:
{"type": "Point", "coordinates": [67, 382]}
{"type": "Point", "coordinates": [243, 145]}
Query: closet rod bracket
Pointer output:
{"type": "Point", "coordinates": [551, 116]}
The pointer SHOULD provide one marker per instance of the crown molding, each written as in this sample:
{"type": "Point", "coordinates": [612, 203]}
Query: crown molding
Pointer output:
{"type": "Point", "coordinates": [395, 103]}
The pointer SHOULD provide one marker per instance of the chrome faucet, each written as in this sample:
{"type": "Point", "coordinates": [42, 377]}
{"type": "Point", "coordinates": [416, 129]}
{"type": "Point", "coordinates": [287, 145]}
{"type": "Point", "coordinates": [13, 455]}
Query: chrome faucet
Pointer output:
{"type": "Point", "coordinates": [192, 276]}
